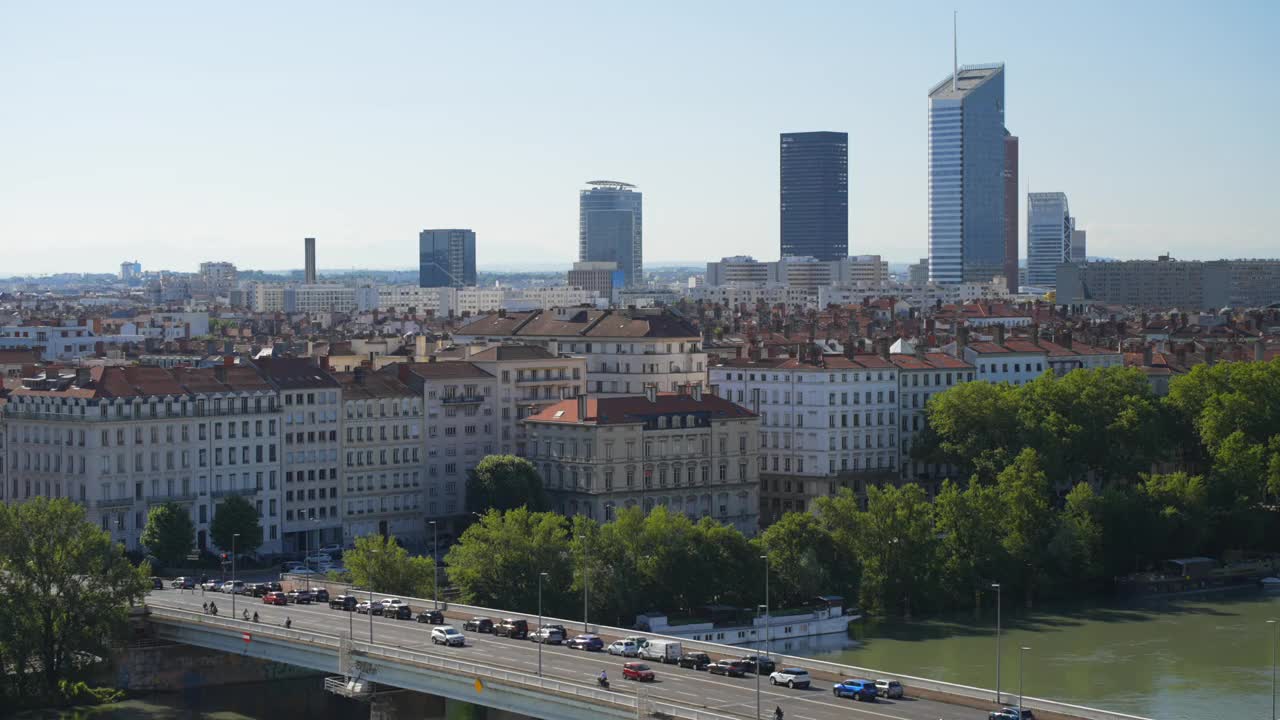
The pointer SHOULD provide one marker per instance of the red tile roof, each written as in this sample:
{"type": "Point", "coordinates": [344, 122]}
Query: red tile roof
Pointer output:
{"type": "Point", "coordinates": [638, 408]}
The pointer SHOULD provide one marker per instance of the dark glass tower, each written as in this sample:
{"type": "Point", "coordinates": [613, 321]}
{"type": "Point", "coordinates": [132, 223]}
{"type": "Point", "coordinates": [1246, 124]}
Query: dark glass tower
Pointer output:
{"type": "Point", "coordinates": [814, 195]}
{"type": "Point", "coordinates": [610, 227]}
{"type": "Point", "coordinates": [446, 258]}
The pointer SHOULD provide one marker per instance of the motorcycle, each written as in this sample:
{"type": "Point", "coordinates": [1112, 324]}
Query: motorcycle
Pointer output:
{"type": "Point", "coordinates": [603, 682]}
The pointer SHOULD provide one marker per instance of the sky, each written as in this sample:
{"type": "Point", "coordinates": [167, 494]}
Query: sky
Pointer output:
{"type": "Point", "coordinates": [173, 133]}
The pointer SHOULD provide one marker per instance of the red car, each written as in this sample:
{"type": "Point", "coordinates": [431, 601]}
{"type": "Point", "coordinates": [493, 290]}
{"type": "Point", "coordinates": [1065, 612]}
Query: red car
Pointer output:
{"type": "Point", "coordinates": [275, 598]}
{"type": "Point", "coordinates": [637, 671]}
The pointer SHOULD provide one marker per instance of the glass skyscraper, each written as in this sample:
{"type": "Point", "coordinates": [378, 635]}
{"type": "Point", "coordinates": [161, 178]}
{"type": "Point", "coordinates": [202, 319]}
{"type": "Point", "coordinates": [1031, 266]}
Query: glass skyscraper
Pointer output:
{"type": "Point", "coordinates": [611, 228]}
{"type": "Point", "coordinates": [446, 258]}
{"type": "Point", "coordinates": [967, 169]}
{"type": "Point", "coordinates": [814, 195]}
{"type": "Point", "coordinates": [1049, 226]}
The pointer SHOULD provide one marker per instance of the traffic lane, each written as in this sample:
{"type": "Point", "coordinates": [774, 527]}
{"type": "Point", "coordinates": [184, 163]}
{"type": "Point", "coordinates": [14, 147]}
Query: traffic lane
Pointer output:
{"type": "Point", "coordinates": [679, 686]}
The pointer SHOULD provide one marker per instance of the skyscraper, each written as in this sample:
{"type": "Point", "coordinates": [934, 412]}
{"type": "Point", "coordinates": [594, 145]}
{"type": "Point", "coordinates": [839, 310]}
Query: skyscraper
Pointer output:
{"type": "Point", "coordinates": [1079, 251]}
{"type": "Point", "coordinates": [446, 258]}
{"type": "Point", "coordinates": [1011, 211]}
{"type": "Point", "coordinates": [967, 222]}
{"type": "Point", "coordinates": [309, 273]}
{"type": "Point", "coordinates": [1049, 226]}
{"type": "Point", "coordinates": [610, 227]}
{"type": "Point", "coordinates": [814, 195]}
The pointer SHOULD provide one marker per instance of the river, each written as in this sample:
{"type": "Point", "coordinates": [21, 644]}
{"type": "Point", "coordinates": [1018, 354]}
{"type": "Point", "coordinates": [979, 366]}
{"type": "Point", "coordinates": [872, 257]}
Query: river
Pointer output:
{"type": "Point", "coordinates": [1184, 658]}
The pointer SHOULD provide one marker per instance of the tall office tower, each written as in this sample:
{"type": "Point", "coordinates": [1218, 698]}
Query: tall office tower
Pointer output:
{"type": "Point", "coordinates": [446, 258]}
{"type": "Point", "coordinates": [130, 271]}
{"type": "Point", "coordinates": [814, 195]}
{"type": "Point", "coordinates": [309, 276]}
{"type": "Point", "coordinates": [1011, 211]}
{"type": "Point", "coordinates": [610, 227]}
{"type": "Point", "coordinates": [966, 175]}
{"type": "Point", "coordinates": [1079, 253]}
{"type": "Point", "coordinates": [1048, 237]}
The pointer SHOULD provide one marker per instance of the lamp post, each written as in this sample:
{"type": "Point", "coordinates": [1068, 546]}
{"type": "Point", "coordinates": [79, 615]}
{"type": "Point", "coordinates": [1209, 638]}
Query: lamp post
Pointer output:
{"type": "Point", "coordinates": [996, 587]}
{"type": "Point", "coordinates": [540, 644]}
{"type": "Point", "coordinates": [758, 609]}
{"type": "Point", "coordinates": [435, 567]}
{"type": "Point", "coordinates": [586, 581]}
{"type": "Point", "coordinates": [766, 606]}
{"type": "Point", "coordinates": [1020, 651]}
{"type": "Point", "coordinates": [1273, 625]}
{"type": "Point", "coordinates": [373, 553]}
{"type": "Point", "coordinates": [233, 574]}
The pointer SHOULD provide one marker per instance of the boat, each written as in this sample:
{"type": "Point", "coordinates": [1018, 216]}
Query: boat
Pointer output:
{"type": "Point", "coordinates": [1270, 584]}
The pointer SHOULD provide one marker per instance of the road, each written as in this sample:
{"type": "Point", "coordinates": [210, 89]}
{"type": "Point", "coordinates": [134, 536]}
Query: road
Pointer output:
{"type": "Point", "coordinates": [732, 696]}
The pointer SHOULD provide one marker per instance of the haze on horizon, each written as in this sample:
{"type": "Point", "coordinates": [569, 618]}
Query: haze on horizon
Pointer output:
{"type": "Point", "coordinates": [173, 134]}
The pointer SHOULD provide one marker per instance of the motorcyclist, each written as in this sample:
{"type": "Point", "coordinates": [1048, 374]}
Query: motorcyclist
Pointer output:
{"type": "Point", "coordinates": [245, 614]}
{"type": "Point", "coordinates": [777, 712]}
{"type": "Point", "coordinates": [255, 616]}
{"type": "Point", "coordinates": [206, 608]}
{"type": "Point", "coordinates": [213, 609]}
{"type": "Point", "coordinates": [604, 678]}
{"type": "Point", "coordinates": [288, 623]}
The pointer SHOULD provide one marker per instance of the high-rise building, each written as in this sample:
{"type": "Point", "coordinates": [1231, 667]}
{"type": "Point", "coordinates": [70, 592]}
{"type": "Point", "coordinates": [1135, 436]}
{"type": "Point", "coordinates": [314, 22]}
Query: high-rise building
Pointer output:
{"type": "Point", "coordinates": [309, 274]}
{"type": "Point", "coordinates": [1049, 224]}
{"type": "Point", "coordinates": [446, 258]}
{"type": "Point", "coordinates": [1011, 211]}
{"type": "Point", "coordinates": [131, 271]}
{"type": "Point", "coordinates": [610, 227]}
{"type": "Point", "coordinates": [967, 176]}
{"type": "Point", "coordinates": [814, 195]}
{"type": "Point", "coordinates": [218, 277]}
{"type": "Point", "coordinates": [594, 277]}
{"type": "Point", "coordinates": [1079, 248]}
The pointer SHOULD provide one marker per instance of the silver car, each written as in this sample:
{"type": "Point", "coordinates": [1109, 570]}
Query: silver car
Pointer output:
{"type": "Point", "coordinates": [891, 689]}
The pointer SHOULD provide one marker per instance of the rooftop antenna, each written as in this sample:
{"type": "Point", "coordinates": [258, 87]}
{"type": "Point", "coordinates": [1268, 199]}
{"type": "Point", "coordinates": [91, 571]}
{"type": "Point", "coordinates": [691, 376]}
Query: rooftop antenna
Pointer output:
{"type": "Point", "coordinates": [955, 52]}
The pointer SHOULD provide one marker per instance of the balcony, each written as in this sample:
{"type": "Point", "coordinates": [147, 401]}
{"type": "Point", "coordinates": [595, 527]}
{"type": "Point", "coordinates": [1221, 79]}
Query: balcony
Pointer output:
{"type": "Point", "coordinates": [174, 498]}
{"type": "Point", "coordinates": [234, 491]}
{"type": "Point", "coordinates": [462, 399]}
{"type": "Point", "coordinates": [115, 503]}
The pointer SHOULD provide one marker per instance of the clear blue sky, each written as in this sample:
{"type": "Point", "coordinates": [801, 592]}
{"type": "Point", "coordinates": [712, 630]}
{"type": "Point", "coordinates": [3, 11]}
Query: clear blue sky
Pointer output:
{"type": "Point", "coordinates": [180, 132]}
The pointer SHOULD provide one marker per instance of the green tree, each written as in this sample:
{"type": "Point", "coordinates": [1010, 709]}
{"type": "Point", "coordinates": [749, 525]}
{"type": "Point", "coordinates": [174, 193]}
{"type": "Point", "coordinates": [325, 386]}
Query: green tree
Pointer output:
{"type": "Point", "coordinates": [169, 534]}
{"type": "Point", "coordinates": [1027, 520]}
{"type": "Point", "coordinates": [801, 555]}
{"type": "Point", "coordinates": [972, 425]}
{"type": "Point", "coordinates": [504, 482]}
{"type": "Point", "coordinates": [236, 516]}
{"type": "Point", "coordinates": [65, 590]}
{"type": "Point", "coordinates": [897, 546]}
{"type": "Point", "coordinates": [381, 564]}
{"type": "Point", "coordinates": [496, 562]}
{"type": "Point", "coordinates": [967, 523]}
{"type": "Point", "coordinates": [1075, 549]}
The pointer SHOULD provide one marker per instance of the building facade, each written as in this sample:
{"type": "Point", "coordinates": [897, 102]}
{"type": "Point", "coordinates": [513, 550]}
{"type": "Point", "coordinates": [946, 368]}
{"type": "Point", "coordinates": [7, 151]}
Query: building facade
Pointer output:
{"type": "Point", "coordinates": [1011, 211]}
{"type": "Point", "coordinates": [690, 452]}
{"type": "Point", "coordinates": [55, 342]}
{"type": "Point", "coordinates": [1170, 283]}
{"type": "Point", "coordinates": [814, 195]}
{"type": "Point", "coordinates": [446, 258]}
{"type": "Point", "coordinates": [530, 378]}
{"type": "Point", "coordinates": [594, 277]}
{"type": "Point", "coordinates": [611, 227]}
{"type": "Point", "coordinates": [1049, 227]}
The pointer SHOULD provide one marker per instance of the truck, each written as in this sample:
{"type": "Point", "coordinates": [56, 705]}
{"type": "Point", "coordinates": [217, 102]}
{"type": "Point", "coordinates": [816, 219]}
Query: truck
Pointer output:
{"type": "Point", "coordinates": [664, 651]}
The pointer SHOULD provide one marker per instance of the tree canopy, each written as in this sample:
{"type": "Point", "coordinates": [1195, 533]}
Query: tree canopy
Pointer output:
{"type": "Point", "coordinates": [381, 564]}
{"type": "Point", "coordinates": [504, 482]}
{"type": "Point", "coordinates": [233, 516]}
{"type": "Point", "coordinates": [169, 534]}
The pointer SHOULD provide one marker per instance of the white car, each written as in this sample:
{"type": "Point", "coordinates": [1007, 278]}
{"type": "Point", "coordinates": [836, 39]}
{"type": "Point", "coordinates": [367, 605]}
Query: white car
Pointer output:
{"type": "Point", "coordinates": [891, 689]}
{"type": "Point", "coordinates": [447, 635]}
{"type": "Point", "coordinates": [211, 585]}
{"type": "Point", "coordinates": [625, 648]}
{"type": "Point", "coordinates": [234, 587]}
{"type": "Point", "coordinates": [791, 677]}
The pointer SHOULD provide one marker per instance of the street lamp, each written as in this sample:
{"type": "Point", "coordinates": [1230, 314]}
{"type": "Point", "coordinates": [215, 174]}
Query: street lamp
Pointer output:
{"type": "Point", "coordinates": [766, 604]}
{"type": "Point", "coordinates": [758, 609]}
{"type": "Point", "coordinates": [370, 579]}
{"type": "Point", "coordinates": [540, 644]}
{"type": "Point", "coordinates": [233, 574]}
{"type": "Point", "coordinates": [435, 567]}
{"type": "Point", "coordinates": [996, 587]}
{"type": "Point", "coordinates": [1020, 651]}
{"type": "Point", "coordinates": [1273, 625]}
{"type": "Point", "coordinates": [585, 581]}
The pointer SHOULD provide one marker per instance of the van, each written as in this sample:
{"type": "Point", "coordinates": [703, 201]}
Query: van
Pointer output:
{"type": "Point", "coordinates": [512, 628]}
{"type": "Point", "coordinates": [663, 651]}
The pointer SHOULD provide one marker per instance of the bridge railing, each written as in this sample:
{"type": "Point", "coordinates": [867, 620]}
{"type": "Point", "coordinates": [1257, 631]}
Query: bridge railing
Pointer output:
{"type": "Point", "coordinates": [954, 690]}
{"type": "Point", "coordinates": [376, 651]}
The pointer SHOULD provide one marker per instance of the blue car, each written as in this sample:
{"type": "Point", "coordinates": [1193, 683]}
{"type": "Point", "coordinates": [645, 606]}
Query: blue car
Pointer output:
{"type": "Point", "coordinates": [856, 689]}
{"type": "Point", "coordinates": [590, 643]}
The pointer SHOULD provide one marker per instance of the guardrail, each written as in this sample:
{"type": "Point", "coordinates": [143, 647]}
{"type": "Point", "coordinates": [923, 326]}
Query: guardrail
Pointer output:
{"type": "Point", "coordinates": [376, 651]}
{"type": "Point", "coordinates": [966, 692]}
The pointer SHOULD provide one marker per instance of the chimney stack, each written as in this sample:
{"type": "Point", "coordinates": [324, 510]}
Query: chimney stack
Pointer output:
{"type": "Point", "coordinates": [651, 392]}
{"type": "Point", "coordinates": [1210, 354]}
{"type": "Point", "coordinates": [696, 391]}
{"type": "Point", "coordinates": [1146, 355]}
{"type": "Point", "coordinates": [310, 272]}
{"type": "Point", "coordinates": [582, 407]}
{"type": "Point", "coordinates": [1066, 339]}
{"type": "Point", "coordinates": [883, 346]}
{"type": "Point", "coordinates": [999, 334]}
{"type": "Point", "coordinates": [1260, 350]}
{"type": "Point", "coordinates": [357, 375]}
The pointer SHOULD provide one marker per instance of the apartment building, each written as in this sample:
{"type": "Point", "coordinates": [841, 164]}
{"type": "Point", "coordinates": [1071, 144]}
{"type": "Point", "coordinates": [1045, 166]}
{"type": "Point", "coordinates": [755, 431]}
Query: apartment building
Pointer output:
{"type": "Point", "coordinates": [530, 378]}
{"type": "Point", "coordinates": [311, 401]}
{"type": "Point", "coordinates": [382, 453]}
{"type": "Point", "coordinates": [460, 402]}
{"type": "Point", "coordinates": [625, 350]}
{"type": "Point", "coordinates": [825, 423]}
{"type": "Point", "coordinates": [689, 451]}
{"type": "Point", "coordinates": [55, 342]}
{"type": "Point", "coordinates": [120, 440]}
{"type": "Point", "coordinates": [921, 375]}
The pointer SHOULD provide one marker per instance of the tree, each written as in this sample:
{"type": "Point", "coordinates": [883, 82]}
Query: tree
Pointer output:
{"type": "Point", "coordinates": [967, 523]}
{"type": "Point", "coordinates": [169, 534]}
{"type": "Point", "coordinates": [972, 425]}
{"type": "Point", "coordinates": [504, 482]}
{"type": "Point", "coordinates": [496, 562]}
{"type": "Point", "coordinates": [801, 555]}
{"type": "Point", "coordinates": [379, 563]}
{"type": "Point", "coordinates": [897, 546]}
{"type": "Point", "coordinates": [65, 589]}
{"type": "Point", "coordinates": [1027, 520]}
{"type": "Point", "coordinates": [236, 516]}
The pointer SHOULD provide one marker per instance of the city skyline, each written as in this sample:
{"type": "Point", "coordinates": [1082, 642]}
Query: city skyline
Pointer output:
{"type": "Point", "coordinates": [189, 152]}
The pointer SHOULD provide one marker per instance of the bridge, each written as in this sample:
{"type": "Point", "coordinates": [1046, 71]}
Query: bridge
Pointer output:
{"type": "Point", "coordinates": [544, 681]}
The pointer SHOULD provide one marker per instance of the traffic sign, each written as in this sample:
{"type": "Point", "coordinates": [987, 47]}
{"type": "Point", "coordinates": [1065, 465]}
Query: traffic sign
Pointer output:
{"type": "Point", "coordinates": [246, 636]}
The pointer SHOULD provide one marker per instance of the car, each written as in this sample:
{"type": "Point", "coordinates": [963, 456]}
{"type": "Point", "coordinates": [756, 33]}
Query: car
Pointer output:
{"type": "Point", "coordinates": [397, 612]}
{"type": "Point", "coordinates": [183, 583]}
{"type": "Point", "coordinates": [435, 617]}
{"type": "Point", "coordinates": [275, 598]}
{"type": "Point", "coordinates": [637, 671]}
{"type": "Point", "coordinates": [855, 688]}
{"type": "Point", "coordinates": [315, 560]}
{"type": "Point", "coordinates": [261, 589]}
{"type": "Point", "coordinates": [791, 677]}
{"type": "Point", "coordinates": [625, 648]}
{"type": "Point", "coordinates": [547, 635]}
{"type": "Point", "coordinates": [343, 602]}
{"type": "Point", "coordinates": [320, 595]}
{"type": "Point", "coordinates": [157, 583]}
{"type": "Point", "coordinates": [513, 628]}
{"type": "Point", "coordinates": [211, 585]}
{"type": "Point", "coordinates": [891, 689]}
{"type": "Point", "coordinates": [331, 550]}
{"type": "Point", "coordinates": [759, 664]}
{"type": "Point", "coordinates": [290, 566]}
{"type": "Point", "coordinates": [303, 571]}
{"type": "Point", "coordinates": [362, 607]}
{"type": "Point", "coordinates": [1011, 714]}
{"type": "Point", "coordinates": [478, 624]}
{"type": "Point", "coordinates": [390, 603]}
{"type": "Point", "coordinates": [447, 635]}
{"type": "Point", "coordinates": [233, 587]}
{"type": "Point", "coordinates": [591, 643]}
{"type": "Point", "coordinates": [299, 597]}
{"type": "Point", "coordinates": [695, 660]}
{"type": "Point", "coordinates": [728, 668]}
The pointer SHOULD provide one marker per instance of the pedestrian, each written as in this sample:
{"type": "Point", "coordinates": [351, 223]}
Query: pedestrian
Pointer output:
{"type": "Point", "coordinates": [777, 712]}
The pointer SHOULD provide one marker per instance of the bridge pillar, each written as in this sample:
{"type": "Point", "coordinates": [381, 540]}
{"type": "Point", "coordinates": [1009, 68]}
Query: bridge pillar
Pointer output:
{"type": "Point", "coordinates": [406, 705]}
